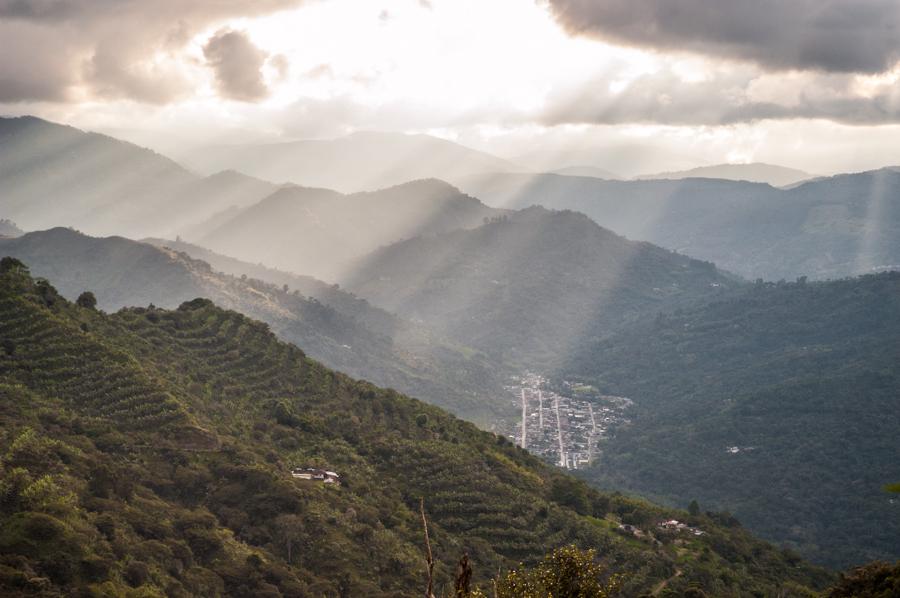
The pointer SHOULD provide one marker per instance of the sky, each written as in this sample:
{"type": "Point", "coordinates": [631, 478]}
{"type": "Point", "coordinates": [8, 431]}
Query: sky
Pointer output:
{"type": "Point", "coordinates": [632, 86]}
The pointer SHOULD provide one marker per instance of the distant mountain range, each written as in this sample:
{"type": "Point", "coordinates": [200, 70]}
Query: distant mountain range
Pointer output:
{"type": "Point", "coordinates": [333, 326]}
{"type": "Point", "coordinates": [756, 172]}
{"type": "Point", "coordinates": [780, 403]}
{"type": "Point", "coordinates": [54, 175]}
{"type": "Point", "coordinates": [827, 228]}
{"type": "Point", "coordinates": [360, 162]}
{"type": "Point", "coordinates": [529, 285]}
{"type": "Point", "coordinates": [322, 233]}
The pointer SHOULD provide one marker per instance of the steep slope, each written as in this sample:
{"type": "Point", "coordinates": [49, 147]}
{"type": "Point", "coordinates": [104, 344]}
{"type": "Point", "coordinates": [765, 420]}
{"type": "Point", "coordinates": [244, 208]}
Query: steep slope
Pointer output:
{"type": "Point", "coordinates": [756, 172]}
{"type": "Point", "coordinates": [827, 228]}
{"type": "Point", "coordinates": [781, 405]}
{"type": "Point", "coordinates": [195, 203]}
{"type": "Point", "coordinates": [55, 175]}
{"type": "Point", "coordinates": [103, 504]}
{"type": "Point", "coordinates": [358, 162]}
{"type": "Point", "coordinates": [332, 295]}
{"type": "Point", "coordinates": [340, 330]}
{"type": "Point", "coordinates": [529, 286]}
{"type": "Point", "coordinates": [321, 232]}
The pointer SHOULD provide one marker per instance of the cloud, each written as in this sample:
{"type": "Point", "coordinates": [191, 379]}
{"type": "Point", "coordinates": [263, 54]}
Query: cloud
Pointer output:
{"type": "Point", "coordinates": [237, 64]}
{"type": "Point", "coordinates": [726, 97]}
{"type": "Point", "coordinates": [30, 69]}
{"type": "Point", "coordinates": [75, 50]}
{"type": "Point", "coordinates": [842, 36]}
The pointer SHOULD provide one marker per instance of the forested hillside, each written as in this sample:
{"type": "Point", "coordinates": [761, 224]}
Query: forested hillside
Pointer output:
{"type": "Point", "coordinates": [529, 286]}
{"type": "Point", "coordinates": [831, 227]}
{"type": "Point", "coordinates": [152, 449]}
{"type": "Point", "coordinates": [342, 331]}
{"type": "Point", "coordinates": [781, 404]}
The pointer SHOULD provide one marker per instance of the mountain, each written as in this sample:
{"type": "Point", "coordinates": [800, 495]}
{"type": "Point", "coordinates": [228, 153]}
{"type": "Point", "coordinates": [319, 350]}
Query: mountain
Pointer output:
{"type": "Point", "coordinates": [828, 228]}
{"type": "Point", "coordinates": [591, 171]}
{"type": "Point", "coordinates": [322, 233]}
{"type": "Point", "coordinates": [358, 162]}
{"type": "Point", "coordinates": [755, 172]}
{"type": "Point", "coordinates": [526, 286]}
{"type": "Point", "coordinates": [334, 327]}
{"type": "Point", "coordinates": [312, 288]}
{"type": "Point", "coordinates": [780, 403]}
{"type": "Point", "coordinates": [149, 452]}
{"type": "Point", "coordinates": [8, 228]}
{"type": "Point", "coordinates": [53, 174]}
{"type": "Point", "coordinates": [56, 175]}
{"type": "Point", "coordinates": [197, 202]}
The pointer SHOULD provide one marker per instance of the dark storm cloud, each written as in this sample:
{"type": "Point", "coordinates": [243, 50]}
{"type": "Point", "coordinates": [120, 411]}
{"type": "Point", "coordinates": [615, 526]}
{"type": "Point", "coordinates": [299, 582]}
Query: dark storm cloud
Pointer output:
{"type": "Point", "coordinates": [846, 36]}
{"type": "Point", "coordinates": [104, 48]}
{"type": "Point", "coordinates": [237, 64]}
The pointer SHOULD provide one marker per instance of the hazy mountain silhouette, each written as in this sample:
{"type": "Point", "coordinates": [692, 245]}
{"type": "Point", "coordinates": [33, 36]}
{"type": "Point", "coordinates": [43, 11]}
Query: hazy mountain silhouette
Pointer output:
{"type": "Point", "coordinates": [830, 227]}
{"type": "Point", "coordinates": [322, 232]}
{"type": "Point", "coordinates": [591, 171]}
{"type": "Point", "coordinates": [358, 162]}
{"type": "Point", "coordinates": [756, 172]}
{"type": "Point", "coordinates": [531, 285]}
{"type": "Point", "coordinates": [52, 175]}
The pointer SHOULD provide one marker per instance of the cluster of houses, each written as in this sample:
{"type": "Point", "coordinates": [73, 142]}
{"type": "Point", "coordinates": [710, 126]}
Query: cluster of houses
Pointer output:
{"type": "Point", "coordinates": [316, 475]}
{"type": "Point", "coordinates": [673, 525]}
{"type": "Point", "coordinates": [563, 427]}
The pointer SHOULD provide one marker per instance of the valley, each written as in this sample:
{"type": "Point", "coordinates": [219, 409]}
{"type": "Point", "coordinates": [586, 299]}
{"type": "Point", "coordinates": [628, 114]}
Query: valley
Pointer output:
{"type": "Point", "coordinates": [566, 427]}
{"type": "Point", "coordinates": [528, 358]}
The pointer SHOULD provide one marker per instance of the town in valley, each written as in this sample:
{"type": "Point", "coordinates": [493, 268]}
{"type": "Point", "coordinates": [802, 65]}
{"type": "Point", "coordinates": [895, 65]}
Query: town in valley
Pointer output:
{"type": "Point", "coordinates": [563, 423]}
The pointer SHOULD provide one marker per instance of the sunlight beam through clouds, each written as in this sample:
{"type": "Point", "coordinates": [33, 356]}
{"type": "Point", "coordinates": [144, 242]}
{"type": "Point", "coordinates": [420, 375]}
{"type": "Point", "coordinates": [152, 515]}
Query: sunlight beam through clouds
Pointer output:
{"type": "Point", "coordinates": [500, 76]}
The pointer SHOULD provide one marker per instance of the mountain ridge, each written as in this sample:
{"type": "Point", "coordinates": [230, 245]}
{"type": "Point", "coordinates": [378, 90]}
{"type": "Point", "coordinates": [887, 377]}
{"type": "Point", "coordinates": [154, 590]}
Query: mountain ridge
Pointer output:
{"type": "Point", "coordinates": [338, 329]}
{"type": "Point", "coordinates": [754, 172]}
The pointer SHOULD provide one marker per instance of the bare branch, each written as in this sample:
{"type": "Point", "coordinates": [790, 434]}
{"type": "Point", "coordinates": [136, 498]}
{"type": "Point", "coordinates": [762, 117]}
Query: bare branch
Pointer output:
{"type": "Point", "coordinates": [429, 559]}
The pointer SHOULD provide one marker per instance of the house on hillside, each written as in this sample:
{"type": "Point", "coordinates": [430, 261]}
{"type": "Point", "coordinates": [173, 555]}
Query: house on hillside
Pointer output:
{"type": "Point", "coordinates": [673, 525]}
{"type": "Point", "coordinates": [316, 475]}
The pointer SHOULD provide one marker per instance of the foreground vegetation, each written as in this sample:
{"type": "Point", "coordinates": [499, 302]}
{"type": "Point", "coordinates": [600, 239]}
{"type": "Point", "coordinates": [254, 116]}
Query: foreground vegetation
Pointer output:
{"type": "Point", "coordinates": [148, 453]}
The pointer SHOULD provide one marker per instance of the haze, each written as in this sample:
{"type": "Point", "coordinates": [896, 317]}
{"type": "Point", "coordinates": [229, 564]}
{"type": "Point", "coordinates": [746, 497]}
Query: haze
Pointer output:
{"type": "Point", "coordinates": [546, 84]}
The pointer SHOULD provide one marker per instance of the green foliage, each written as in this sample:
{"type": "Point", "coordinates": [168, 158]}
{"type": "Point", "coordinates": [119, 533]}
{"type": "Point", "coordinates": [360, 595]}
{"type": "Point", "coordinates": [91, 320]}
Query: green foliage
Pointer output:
{"type": "Point", "coordinates": [153, 455]}
{"type": "Point", "coordinates": [778, 403]}
{"type": "Point", "coordinates": [875, 580]}
{"type": "Point", "coordinates": [87, 300]}
{"type": "Point", "coordinates": [333, 326]}
{"type": "Point", "coordinates": [566, 573]}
